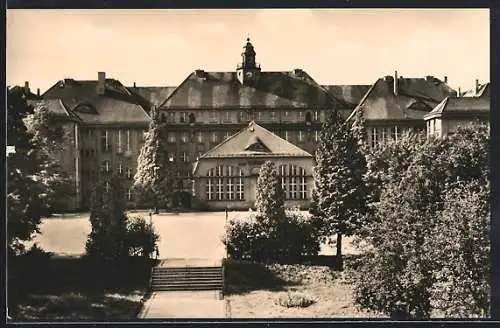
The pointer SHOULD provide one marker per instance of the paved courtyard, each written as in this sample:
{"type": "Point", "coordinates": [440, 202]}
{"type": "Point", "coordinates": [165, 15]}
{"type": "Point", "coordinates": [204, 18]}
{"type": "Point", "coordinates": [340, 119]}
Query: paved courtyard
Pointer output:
{"type": "Point", "coordinates": [183, 235]}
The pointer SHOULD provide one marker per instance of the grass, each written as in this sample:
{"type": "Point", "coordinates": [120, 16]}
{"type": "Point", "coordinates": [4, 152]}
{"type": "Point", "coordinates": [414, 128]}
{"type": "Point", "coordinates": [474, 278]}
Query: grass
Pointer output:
{"type": "Point", "coordinates": [76, 289]}
{"type": "Point", "coordinates": [261, 295]}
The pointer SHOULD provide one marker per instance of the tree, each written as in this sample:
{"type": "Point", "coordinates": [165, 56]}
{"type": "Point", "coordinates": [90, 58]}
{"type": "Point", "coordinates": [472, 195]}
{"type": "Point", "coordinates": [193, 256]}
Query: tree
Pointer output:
{"type": "Point", "coordinates": [108, 238]}
{"type": "Point", "coordinates": [270, 199]}
{"type": "Point", "coordinates": [420, 210]}
{"type": "Point", "coordinates": [340, 191]}
{"type": "Point", "coordinates": [152, 180]}
{"type": "Point", "coordinates": [461, 247]}
{"type": "Point", "coordinates": [33, 181]}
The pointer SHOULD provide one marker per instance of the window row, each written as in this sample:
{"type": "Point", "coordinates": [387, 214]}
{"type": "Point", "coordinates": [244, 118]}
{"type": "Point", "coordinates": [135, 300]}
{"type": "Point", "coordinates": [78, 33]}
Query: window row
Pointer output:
{"type": "Point", "coordinates": [380, 135]}
{"type": "Point", "coordinates": [225, 171]}
{"type": "Point", "coordinates": [121, 169]}
{"type": "Point", "coordinates": [216, 137]}
{"type": "Point", "coordinates": [244, 116]}
{"type": "Point", "coordinates": [121, 140]}
{"type": "Point", "coordinates": [228, 188]}
{"type": "Point", "coordinates": [129, 194]}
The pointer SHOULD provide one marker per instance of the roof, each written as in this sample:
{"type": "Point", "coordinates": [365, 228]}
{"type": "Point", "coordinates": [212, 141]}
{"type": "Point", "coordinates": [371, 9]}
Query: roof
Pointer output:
{"type": "Point", "coordinates": [151, 96]}
{"type": "Point", "coordinates": [350, 95]}
{"type": "Point", "coordinates": [116, 105]}
{"type": "Point", "coordinates": [271, 90]}
{"type": "Point", "coordinates": [255, 141]}
{"type": "Point", "coordinates": [461, 106]}
{"type": "Point", "coordinates": [416, 97]}
{"type": "Point", "coordinates": [483, 90]}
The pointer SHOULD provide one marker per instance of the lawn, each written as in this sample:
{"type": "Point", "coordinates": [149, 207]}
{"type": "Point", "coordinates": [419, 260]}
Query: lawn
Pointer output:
{"type": "Point", "coordinates": [254, 291]}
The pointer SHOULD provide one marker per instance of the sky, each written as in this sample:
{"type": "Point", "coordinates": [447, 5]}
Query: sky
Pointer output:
{"type": "Point", "coordinates": [162, 47]}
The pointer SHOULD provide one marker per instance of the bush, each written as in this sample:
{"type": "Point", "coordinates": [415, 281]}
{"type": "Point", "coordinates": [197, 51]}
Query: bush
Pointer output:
{"type": "Point", "coordinates": [142, 238]}
{"type": "Point", "coordinates": [257, 239]}
{"type": "Point", "coordinates": [294, 300]}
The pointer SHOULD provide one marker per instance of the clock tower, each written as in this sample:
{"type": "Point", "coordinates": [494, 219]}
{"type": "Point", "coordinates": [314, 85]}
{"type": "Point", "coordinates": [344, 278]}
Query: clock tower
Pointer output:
{"type": "Point", "coordinates": [248, 71]}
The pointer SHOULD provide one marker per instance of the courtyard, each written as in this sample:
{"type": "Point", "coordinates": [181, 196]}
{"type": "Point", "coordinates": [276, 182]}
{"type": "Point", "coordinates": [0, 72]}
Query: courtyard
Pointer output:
{"type": "Point", "coordinates": [182, 235]}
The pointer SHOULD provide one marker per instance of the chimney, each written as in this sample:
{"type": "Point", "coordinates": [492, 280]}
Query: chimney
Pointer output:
{"type": "Point", "coordinates": [200, 73]}
{"type": "Point", "coordinates": [101, 81]}
{"type": "Point", "coordinates": [38, 92]}
{"type": "Point", "coordinates": [27, 87]}
{"type": "Point", "coordinates": [459, 93]}
{"type": "Point", "coordinates": [477, 87]}
{"type": "Point", "coordinates": [445, 79]}
{"type": "Point", "coordinates": [134, 84]}
{"type": "Point", "coordinates": [395, 83]}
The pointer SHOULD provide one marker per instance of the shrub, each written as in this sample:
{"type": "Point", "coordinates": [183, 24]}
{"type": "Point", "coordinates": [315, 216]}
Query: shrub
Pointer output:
{"type": "Point", "coordinates": [142, 238]}
{"type": "Point", "coordinates": [294, 300]}
{"type": "Point", "coordinates": [256, 239]}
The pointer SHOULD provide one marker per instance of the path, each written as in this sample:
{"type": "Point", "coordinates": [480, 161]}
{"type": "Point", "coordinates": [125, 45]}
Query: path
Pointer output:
{"type": "Point", "coordinates": [191, 305]}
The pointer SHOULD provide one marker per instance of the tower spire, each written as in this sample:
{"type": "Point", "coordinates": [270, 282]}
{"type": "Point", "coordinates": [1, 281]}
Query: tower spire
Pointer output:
{"type": "Point", "coordinates": [248, 70]}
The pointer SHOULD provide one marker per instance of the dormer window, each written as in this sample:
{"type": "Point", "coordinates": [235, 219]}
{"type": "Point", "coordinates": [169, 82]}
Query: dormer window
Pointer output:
{"type": "Point", "coordinates": [418, 105]}
{"type": "Point", "coordinates": [85, 109]}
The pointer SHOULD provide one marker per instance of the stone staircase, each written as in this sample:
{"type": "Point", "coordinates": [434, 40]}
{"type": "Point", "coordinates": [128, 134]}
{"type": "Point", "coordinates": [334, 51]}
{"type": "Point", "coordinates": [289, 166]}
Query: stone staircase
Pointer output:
{"type": "Point", "coordinates": [187, 278]}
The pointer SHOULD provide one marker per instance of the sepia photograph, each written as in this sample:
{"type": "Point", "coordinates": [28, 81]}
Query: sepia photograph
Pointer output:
{"type": "Point", "coordinates": [249, 164]}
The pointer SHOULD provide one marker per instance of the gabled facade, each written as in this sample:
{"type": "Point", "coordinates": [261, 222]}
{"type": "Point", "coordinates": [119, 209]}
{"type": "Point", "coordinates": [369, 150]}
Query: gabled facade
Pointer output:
{"type": "Point", "coordinates": [105, 126]}
{"type": "Point", "coordinates": [395, 105]}
{"type": "Point", "coordinates": [226, 175]}
{"type": "Point", "coordinates": [454, 112]}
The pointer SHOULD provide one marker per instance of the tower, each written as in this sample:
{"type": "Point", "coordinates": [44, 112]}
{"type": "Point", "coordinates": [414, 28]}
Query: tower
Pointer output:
{"type": "Point", "coordinates": [248, 70]}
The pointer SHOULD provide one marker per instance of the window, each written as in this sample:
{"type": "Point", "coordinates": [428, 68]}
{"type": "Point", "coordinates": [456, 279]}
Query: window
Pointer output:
{"type": "Point", "coordinates": [171, 157]}
{"type": "Point", "coordinates": [210, 185]}
{"type": "Point", "coordinates": [242, 116]}
{"type": "Point", "coordinates": [301, 136]}
{"type": "Point", "coordinates": [293, 181]}
{"type": "Point", "coordinates": [214, 137]}
{"type": "Point", "coordinates": [225, 182]}
{"type": "Point", "coordinates": [119, 149]}
{"type": "Point", "coordinates": [120, 168]}
{"type": "Point", "coordinates": [129, 173]}
{"type": "Point", "coordinates": [227, 116]}
{"type": "Point", "coordinates": [90, 135]}
{"type": "Point", "coordinates": [258, 115]}
{"type": "Point", "coordinates": [185, 157]}
{"type": "Point", "coordinates": [129, 194]}
{"type": "Point", "coordinates": [220, 183]}
{"type": "Point", "coordinates": [183, 117]}
{"type": "Point", "coordinates": [374, 137]}
{"type": "Point", "coordinates": [301, 116]}
{"type": "Point", "coordinates": [287, 135]}
{"type": "Point", "coordinates": [395, 133]}
{"type": "Point", "coordinates": [128, 140]}
{"type": "Point", "coordinates": [316, 115]}
{"type": "Point", "coordinates": [316, 135]}
{"type": "Point", "coordinates": [184, 137]}
{"type": "Point", "coordinates": [230, 183]}
{"type": "Point", "coordinates": [192, 118]}
{"type": "Point", "coordinates": [105, 167]}
{"type": "Point", "coordinates": [212, 116]}
{"type": "Point", "coordinates": [107, 187]}
{"type": "Point", "coordinates": [273, 116]}
{"type": "Point", "coordinates": [240, 191]}
{"type": "Point", "coordinates": [227, 134]}
{"type": "Point", "coordinates": [286, 115]}
{"type": "Point", "coordinates": [170, 117]}
{"type": "Point", "coordinates": [105, 146]}
{"type": "Point", "coordinates": [171, 137]}
{"type": "Point", "coordinates": [382, 135]}
{"type": "Point", "coordinates": [199, 137]}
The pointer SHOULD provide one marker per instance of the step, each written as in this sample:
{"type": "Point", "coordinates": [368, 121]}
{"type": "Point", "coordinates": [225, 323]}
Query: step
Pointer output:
{"type": "Point", "coordinates": [175, 276]}
{"type": "Point", "coordinates": [185, 271]}
{"type": "Point", "coordinates": [188, 279]}
{"type": "Point", "coordinates": [188, 268]}
{"type": "Point", "coordinates": [180, 288]}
